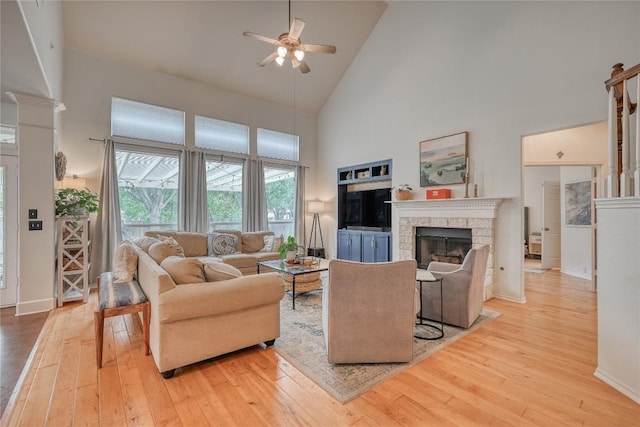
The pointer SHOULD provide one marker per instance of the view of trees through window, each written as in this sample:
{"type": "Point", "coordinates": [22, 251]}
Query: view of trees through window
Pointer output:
{"type": "Point", "coordinates": [224, 195]}
{"type": "Point", "coordinates": [280, 189]}
{"type": "Point", "coordinates": [148, 187]}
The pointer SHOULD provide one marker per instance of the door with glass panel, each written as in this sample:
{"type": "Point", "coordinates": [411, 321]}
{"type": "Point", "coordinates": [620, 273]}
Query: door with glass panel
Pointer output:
{"type": "Point", "coordinates": [280, 189]}
{"type": "Point", "coordinates": [8, 230]}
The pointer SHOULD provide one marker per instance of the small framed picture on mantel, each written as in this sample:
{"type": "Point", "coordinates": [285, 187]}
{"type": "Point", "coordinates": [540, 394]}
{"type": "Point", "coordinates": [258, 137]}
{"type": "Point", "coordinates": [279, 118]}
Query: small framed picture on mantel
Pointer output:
{"type": "Point", "coordinates": [443, 161]}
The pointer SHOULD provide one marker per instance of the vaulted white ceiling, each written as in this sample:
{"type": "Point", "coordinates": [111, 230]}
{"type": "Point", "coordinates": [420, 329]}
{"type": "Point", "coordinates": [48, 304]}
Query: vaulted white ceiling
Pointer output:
{"type": "Point", "coordinates": [203, 41]}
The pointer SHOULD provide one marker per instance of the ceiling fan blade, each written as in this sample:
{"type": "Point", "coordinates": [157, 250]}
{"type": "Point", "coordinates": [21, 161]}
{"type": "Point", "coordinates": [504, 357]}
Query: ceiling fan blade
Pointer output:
{"type": "Point", "coordinates": [320, 48]}
{"type": "Point", "coordinates": [304, 67]}
{"type": "Point", "coordinates": [268, 59]}
{"type": "Point", "coordinates": [261, 37]}
{"type": "Point", "coordinates": [296, 28]}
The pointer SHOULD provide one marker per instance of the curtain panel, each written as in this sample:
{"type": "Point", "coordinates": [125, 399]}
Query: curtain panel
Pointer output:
{"type": "Point", "coordinates": [108, 227]}
{"type": "Point", "coordinates": [254, 210]}
{"type": "Point", "coordinates": [193, 213]}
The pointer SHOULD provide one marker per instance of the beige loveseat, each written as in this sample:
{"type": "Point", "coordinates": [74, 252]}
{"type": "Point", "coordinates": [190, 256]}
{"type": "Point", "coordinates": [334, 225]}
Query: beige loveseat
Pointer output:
{"type": "Point", "coordinates": [197, 321]}
{"type": "Point", "coordinates": [249, 247]}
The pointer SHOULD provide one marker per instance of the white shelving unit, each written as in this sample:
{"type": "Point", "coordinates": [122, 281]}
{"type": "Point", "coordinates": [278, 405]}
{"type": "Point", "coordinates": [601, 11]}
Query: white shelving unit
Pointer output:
{"type": "Point", "coordinates": [73, 259]}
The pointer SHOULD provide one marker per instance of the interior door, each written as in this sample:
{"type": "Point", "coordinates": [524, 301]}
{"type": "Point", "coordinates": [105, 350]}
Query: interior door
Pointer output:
{"type": "Point", "coordinates": [8, 230]}
{"type": "Point", "coordinates": [551, 226]}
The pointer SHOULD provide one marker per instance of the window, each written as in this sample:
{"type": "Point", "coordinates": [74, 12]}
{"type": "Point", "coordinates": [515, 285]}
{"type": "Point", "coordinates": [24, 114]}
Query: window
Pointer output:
{"type": "Point", "coordinates": [278, 145]}
{"type": "Point", "coordinates": [148, 186]}
{"type": "Point", "coordinates": [224, 194]}
{"type": "Point", "coordinates": [7, 134]}
{"type": "Point", "coordinates": [138, 120]}
{"type": "Point", "coordinates": [280, 189]}
{"type": "Point", "coordinates": [221, 135]}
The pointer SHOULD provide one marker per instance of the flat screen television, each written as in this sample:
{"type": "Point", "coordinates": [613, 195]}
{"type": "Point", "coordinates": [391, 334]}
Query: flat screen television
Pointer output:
{"type": "Point", "coordinates": [366, 208]}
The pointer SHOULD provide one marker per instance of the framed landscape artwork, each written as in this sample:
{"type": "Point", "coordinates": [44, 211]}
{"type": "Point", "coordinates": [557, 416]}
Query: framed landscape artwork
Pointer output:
{"type": "Point", "coordinates": [443, 160]}
{"type": "Point", "coordinates": [577, 205]}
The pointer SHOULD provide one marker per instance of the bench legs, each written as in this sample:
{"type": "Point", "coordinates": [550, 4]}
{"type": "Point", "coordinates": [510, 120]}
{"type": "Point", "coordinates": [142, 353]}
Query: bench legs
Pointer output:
{"type": "Point", "coordinates": [98, 322]}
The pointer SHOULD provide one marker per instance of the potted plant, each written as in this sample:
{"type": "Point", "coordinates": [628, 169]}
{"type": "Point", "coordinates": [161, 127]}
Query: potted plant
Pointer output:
{"type": "Point", "coordinates": [71, 201]}
{"type": "Point", "coordinates": [403, 192]}
{"type": "Point", "coordinates": [289, 249]}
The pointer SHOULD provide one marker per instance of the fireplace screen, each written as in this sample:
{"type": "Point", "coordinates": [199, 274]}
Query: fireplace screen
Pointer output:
{"type": "Point", "coordinates": [442, 244]}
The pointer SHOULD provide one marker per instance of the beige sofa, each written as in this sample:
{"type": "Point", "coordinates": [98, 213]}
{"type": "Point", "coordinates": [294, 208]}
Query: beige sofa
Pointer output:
{"type": "Point", "coordinates": [248, 247]}
{"type": "Point", "coordinates": [197, 321]}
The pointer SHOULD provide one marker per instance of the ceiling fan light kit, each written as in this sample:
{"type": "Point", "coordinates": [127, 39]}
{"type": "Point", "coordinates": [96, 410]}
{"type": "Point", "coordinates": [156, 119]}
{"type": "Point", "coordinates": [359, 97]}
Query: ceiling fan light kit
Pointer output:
{"type": "Point", "coordinates": [289, 45]}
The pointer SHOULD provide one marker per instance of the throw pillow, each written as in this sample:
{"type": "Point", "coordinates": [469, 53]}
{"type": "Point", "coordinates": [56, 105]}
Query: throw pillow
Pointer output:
{"type": "Point", "coordinates": [145, 242]}
{"type": "Point", "coordinates": [253, 241]}
{"type": "Point", "coordinates": [125, 262]}
{"type": "Point", "coordinates": [183, 270]}
{"type": "Point", "coordinates": [169, 247]}
{"type": "Point", "coordinates": [217, 271]}
{"type": "Point", "coordinates": [221, 244]}
{"type": "Point", "coordinates": [272, 243]}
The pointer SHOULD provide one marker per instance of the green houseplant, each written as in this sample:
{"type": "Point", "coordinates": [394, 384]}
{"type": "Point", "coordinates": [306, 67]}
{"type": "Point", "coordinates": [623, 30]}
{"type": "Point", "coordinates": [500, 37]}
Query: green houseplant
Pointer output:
{"type": "Point", "coordinates": [289, 249]}
{"type": "Point", "coordinates": [71, 201]}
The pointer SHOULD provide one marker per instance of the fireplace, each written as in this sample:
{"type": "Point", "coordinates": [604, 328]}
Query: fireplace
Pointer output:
{"type": "Point", "coordinates": [475, 214]}
{"type": "Point", "coordinates": [442, 244]}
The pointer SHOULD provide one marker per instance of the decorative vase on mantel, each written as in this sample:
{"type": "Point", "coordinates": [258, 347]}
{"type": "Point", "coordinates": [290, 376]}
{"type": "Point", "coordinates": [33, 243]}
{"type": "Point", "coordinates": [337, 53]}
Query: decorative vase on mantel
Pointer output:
{"type": "Point", "coordinates": [403, 194]}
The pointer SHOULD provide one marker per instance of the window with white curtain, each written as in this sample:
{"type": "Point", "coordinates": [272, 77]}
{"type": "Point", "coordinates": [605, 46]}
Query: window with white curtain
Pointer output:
{"type": "Point", "coordinates": [278, 145]}
{"type": "Point", "coordinates": [221, 135]}
{"type": "Point", "coordinates": [148, 187]}
{"type": "Point", "coordinates": [132, 119]}
{"type": "Point", "coordinates": [224, 194]}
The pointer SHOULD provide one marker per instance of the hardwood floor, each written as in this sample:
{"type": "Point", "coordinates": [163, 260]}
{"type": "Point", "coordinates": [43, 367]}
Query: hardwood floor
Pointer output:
{"type": "Point", "coordinates": [18, 334]}
{"type": "Point", "coordinates": [532, 366]}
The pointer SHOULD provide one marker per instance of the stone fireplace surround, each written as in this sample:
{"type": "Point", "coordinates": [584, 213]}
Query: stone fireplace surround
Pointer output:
{"type": "Point", "coordinates": [477, 214]}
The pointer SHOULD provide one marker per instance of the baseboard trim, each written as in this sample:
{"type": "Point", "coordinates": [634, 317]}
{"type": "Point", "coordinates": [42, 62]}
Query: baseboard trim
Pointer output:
{"type": "Point", "coordinates": [35, 306]}
{"type": "Point", "coordinates": [631, 394]}
{"type": "Point", "coordinates": [518, 300]}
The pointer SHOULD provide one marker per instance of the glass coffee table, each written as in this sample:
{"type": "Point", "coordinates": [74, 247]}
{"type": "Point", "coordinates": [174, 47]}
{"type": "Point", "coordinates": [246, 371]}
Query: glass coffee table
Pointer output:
{"type": "Point", "coordinates": [295, 271]}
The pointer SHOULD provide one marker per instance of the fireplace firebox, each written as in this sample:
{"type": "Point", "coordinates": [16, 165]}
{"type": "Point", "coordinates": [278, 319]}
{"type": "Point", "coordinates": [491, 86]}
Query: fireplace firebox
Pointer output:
{"type": "Point", "coordinates": [442, 244]}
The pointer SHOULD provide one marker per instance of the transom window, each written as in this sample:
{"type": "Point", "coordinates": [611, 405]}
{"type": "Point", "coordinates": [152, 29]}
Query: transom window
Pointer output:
{"type": "Point", "coordinates": [221, 135]}
{"type": "Point", "coordinates": [138, 120]}
{"type": "Point", "coordinates": [278, 145]}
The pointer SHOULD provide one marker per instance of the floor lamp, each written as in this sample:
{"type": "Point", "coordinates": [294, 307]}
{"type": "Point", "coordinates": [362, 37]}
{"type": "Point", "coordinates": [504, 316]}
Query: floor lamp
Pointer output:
{"type": "Point", "coordinates": [316, 207]}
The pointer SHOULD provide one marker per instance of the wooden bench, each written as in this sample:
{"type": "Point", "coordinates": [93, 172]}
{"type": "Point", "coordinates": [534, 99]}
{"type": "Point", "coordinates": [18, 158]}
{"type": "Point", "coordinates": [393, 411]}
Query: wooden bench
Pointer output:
{"type": "Point", "coordinates": [116, 299]}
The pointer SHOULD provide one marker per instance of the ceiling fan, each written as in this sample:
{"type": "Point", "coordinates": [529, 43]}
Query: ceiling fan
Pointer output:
{"type": "Point", "coordinates": [289, 44]}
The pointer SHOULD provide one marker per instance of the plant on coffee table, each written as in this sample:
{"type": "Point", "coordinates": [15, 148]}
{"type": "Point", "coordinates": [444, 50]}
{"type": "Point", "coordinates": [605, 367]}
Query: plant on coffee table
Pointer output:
{"type": "Point", "coordinates": [289, 249]}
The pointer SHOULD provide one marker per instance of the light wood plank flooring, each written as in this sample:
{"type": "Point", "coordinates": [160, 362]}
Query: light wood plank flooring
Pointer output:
{"type": "Point", "coordinates": [532, 366]}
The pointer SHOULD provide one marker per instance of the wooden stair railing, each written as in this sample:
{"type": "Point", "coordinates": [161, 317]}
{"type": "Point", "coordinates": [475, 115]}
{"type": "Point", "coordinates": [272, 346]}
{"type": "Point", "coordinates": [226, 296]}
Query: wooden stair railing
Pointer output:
{"type": "Point", "coordinates": [621, 107]}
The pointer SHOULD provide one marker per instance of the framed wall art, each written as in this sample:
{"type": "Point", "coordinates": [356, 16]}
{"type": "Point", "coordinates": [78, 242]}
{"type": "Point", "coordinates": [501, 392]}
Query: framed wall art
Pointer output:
{"type": "Point", "coordinates": [577, 203]}
{"type": "Point", "coordinates": [444, 160]}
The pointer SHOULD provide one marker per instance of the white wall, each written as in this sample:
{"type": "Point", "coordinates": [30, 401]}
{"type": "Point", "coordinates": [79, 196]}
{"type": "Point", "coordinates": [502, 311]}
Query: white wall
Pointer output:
{"type": "Point", "coordinates": [533, 177]}
{"type": "Point", "coordinates": [44, 19]}
{"type": "Point", "coordinates": [91, 81]}
{"type": "Point", "coordinates": [499, 70]}
{"type": "Point", "coordinates": [576, 240]}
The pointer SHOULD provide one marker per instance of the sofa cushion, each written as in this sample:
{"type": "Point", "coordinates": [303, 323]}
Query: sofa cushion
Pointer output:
{"type": "Point", "coordinates": [221, 244]}
{"type": "Point", "coordinates": [266, 256]}
{"type": "Point", "coordinates": [254, 241]}
{"type": "Point", "coordinates": [194, 244]}
{"type": "Point", "coordinates": [217, 271]}
{"type": "Point", "coordinates": [169, 247]}
{"type": "Point", "coordinates": [125, 262]}
{"type": "Point", "coordinates": [272, 243]}
{"type": "Point", "coordinates": [184, 270]}
{"type": "Point", "coordinates": [145, 242]}
{"type": "Point", "coordinates": [240, 260]}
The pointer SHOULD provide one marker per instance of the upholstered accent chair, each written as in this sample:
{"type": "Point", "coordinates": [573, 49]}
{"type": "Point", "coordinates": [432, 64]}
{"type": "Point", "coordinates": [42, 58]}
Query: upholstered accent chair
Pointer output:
{"type": "Point", "coordinates": [368, 311]}
{"type": "Point", "coordinates": [462, 289]}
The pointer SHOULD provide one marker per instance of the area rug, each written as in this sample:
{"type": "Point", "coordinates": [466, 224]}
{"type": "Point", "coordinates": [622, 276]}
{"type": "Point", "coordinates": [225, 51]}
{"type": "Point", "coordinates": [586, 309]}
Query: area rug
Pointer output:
{"type": "Point", "coordinates": [301, 343]}
{"type": "Point", "coordinates": [536, 270]}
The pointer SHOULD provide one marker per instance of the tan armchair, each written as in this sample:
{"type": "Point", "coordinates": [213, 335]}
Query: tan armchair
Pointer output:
{"type": "Point", "coordinates": [462, 288]}
{"type": "Point", "coordinates": [368, 311]}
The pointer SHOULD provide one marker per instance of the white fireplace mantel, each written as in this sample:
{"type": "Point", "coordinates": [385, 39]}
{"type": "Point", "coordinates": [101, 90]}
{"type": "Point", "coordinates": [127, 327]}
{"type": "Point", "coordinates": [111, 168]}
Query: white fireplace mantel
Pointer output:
{"type": "Point", "coordinates": [477, 207]}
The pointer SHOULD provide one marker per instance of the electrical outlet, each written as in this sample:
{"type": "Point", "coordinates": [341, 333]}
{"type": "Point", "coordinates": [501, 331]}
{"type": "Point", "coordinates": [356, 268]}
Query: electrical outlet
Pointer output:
{"type": "Point", "coordinates": [35, 225]}
{"type": "Point", "coordinates": [33, 213]}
